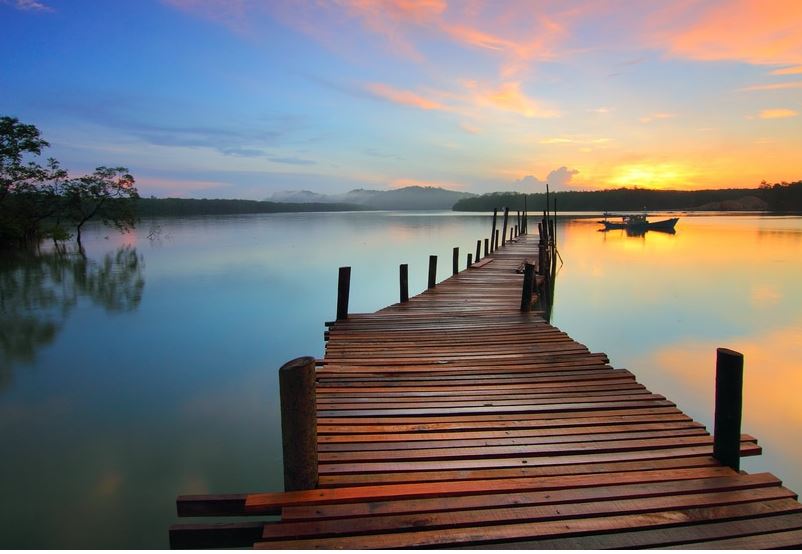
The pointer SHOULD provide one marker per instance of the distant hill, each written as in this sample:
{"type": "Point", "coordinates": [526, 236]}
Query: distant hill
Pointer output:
{"type": "Point", "coordinates": [158, 207]}
{"type": "Point", "coordinates": [407, 198]}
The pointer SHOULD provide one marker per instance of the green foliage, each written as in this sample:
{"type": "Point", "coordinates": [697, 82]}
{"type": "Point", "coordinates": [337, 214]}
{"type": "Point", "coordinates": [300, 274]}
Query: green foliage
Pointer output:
{"type": "Point", "coordinates": [778, 197]}
{"type": "Point", "coordinates": [188, 206]}
{"type": "Point", "coordinates": [41, 201]}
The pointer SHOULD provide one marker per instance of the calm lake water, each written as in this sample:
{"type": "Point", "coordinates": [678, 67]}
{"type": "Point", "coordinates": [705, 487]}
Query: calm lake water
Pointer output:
{"type": "Point", "coordinates": [150, 369]}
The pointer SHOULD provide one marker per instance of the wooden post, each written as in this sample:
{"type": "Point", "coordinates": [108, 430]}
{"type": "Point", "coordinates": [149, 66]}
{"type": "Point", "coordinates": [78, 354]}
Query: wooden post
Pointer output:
{"type": "Point", "coordinates": [541, 258]}
{"type": "Point", "coordinates": [478, 250]}
{"type": "Point", "coordinates": [432, 271]}
{"type": "Point", "coordinates": [455, 261]}
{"type": "Point", "coordinates": [487, 250]}
{"type": "Point", "coordinates": [519, 225]}
{"type": "Point", "coordinates": [495, 243]}
{"type": "Point", "coordinates": [343, 291]}
{"type": "Point", "coordinates": [504, 232]}
{"type": "Point", "coordinates": [512, 232]}
{"type": "Point", "coordinates": [729, 401]}
{"type": "Point", "coordinates": [555, 222]}
{"type": "Point", "coordinates": [493, 230]}
{"type": "Point", "coordinates": [526, 292]}
{"type": "Point", "coordinates": [516, 230]}
{"type": "Point", "coordinates": [299, 423]}
{"type": "Point", "coordinates": [403, 279]}
{"type": "Point", "coordinates": [470, 259]}
{"type": "Point", "coordinates": [526, 228]}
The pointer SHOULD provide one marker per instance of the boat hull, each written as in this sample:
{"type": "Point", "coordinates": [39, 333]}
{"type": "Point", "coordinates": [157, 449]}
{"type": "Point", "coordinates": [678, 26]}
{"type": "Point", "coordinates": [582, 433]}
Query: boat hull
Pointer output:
{"type": "Point", "coordinates": [663, 225]}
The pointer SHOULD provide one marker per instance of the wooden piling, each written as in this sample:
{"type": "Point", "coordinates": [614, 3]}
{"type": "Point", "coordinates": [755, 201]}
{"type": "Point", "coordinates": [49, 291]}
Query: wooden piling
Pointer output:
{"type": "Point", "coordinates": [478, 250]}
{"type": "Point", "coordinates": [403, 280]}
{"type": "Point", "coordinates": [470, 260]}
{"type": "Point", "coordinates": [432, 272]}
{"type": "Point", "coordinates": [528, 285]}
{"type": "Point", "coordinates": [343, 292]}
{"type": "Point", "coordinates": [495, 242]}
{"type": "Point", "coordinates": [299, 423]}
{"type": "Point", "coordinates": [729, 402]}
{"type": "Point", "coordinates": [493, 229]}
{"type": "Point", "coordinates": [504, 232]}
{"type": "Point", "coordinates": [455, 261]}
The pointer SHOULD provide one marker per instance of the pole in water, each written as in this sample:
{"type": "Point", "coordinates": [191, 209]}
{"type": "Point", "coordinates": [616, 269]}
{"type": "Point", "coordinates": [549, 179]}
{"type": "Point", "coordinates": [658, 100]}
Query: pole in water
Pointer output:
{"type": "Point", "coordinates": [343, 291]}
{"type": "Point", "coordinates": [299, 424]}
{"type": "Point", "coordinates": [729, 404]}
{"type": "Point", "coordinates": [432, 271]}
{"type": "Point", "coordinates": [504, 232]}
{"type": "Point", "coordinates": [403, 280]}
{"type": "Point", "coordinates": [493, 229]}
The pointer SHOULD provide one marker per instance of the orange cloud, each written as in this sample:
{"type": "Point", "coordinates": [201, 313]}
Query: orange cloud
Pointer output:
{"type": "Point", "coordinates": [404, 97]}
{"type": "Point", "coordinates": [777, 113]}
{"type": "Point", "coordinates": [796, 70]}
{"type": "Point", "coordinates": [509, 97]}
{"type": "Point", "coordinates": [773, 86]}
{"type": "Point", "coordinates": [753, 31]}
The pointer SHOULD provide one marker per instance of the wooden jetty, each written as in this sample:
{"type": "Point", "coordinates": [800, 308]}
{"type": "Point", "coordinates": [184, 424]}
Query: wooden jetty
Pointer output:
{"type": "Point", "coordinates": [459, 419]}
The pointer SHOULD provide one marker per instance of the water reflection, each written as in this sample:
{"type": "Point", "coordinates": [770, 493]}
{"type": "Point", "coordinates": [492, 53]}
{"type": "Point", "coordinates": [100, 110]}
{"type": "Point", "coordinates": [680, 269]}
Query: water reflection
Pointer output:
{"type": "Point", "coordinates": [38, 291]}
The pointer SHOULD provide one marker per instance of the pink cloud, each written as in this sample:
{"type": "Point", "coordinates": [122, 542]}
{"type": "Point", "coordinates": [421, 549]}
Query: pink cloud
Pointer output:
{"type": "Point", "coordinates": [404, 97]}
{"type": "Point", "coordinates": [777, 113]}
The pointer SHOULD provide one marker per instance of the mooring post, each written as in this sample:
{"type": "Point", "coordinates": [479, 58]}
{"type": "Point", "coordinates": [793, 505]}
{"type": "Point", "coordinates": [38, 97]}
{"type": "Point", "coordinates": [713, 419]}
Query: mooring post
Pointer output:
{"type": "Point", "coordinates": [729, 402]}
{"type": "Point", "coordinates": [519, 223]}
{"type": "Point", "coordinates": [495, 243]}
{"type": "Point", "coordinates": [487, 247]}
{"type": "Point", "coordinates": [455, 261]}
{"type": "Point", "coordinates": [403, 281]}
{"type": "Point", "coordinates": [493, 230]}
{"type": "Point", "coordinates": [299, 423]}
{"type": "Point", "coordinates": [470, 260]}
{"type": "Point", "coordinates": [504, 232]}
{"type": "Point", "coordinates": [526, 292]}
{"type": "Point", "coordinates": [432, 271]}
{"type": "Point", "coordinates": [343, 291]}
{"type": "Point", "coordinates": [478, 250]}
{"type": "Point", "coordinates": [526, 229]}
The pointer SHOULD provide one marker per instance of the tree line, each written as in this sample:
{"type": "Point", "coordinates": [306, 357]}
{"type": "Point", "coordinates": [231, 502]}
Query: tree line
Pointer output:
{"type": "Point", "coordinates": [780, 197]}
{"type": "Point", "coordinates": [40, 201]}
{"type": "Point", "coordinates": [156, 207]}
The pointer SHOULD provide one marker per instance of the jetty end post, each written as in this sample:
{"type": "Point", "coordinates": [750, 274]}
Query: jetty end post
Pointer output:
{"type": "Point", "coordinates": [478, 250]}
{"type": "Point", "coordinates": [493, 229]}
{"type": "Point", "coordinates": [729, 403]}
{"type": "Point", "coordinates": [299, 424]}
{"type": "Point", "coordinates": [432, 272]}
{"type": "Point", "coordinates": [455, 261]}
{"type": "Point", "coordinates": [403, 281]}
{"type": "Point", "coordinates": [470, 260]}
{"type": "Point", "coordinates": [528, 286]}
{"type": "Point", "coordinates": [343, 291]}
{"type": "Point", "coordinates": [504, 232]}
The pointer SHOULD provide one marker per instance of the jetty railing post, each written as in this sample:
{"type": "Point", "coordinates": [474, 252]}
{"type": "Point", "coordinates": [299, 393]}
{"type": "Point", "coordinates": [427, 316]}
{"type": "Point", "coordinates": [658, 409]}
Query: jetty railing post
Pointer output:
{"type": "Point", "coordinates": [403, 281]}
{"type": "Point", "coordinates": [493, 230]}
{"type": "Point", "coordinates": [729, 402]}
{"type": "Point", "coordinates": [504, 232]}
{"type": "Point", "coordinates": [470, 259]}
{"type": "Point", "coordinates": [478, 250]}
{"type": "Point", "coordinates": [432, 272]}
{"type": "Point", "coordinates": [487, 247]}
{"type": "Point", "coordinates": [343, 292]}
{"type": "Point", "coordinates": [495, 243]}
{"type": "Point", "coordinates": [299, 424]}
{"type": "Point", "coordinates": [455, 261]}
{"type": "Point", "coordinates": [528, 286]}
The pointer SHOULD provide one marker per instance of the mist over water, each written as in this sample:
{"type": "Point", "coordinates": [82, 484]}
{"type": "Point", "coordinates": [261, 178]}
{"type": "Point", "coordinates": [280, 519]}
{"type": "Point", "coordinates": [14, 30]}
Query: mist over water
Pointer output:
{"type": "Point", "coordinates": [149, 369]}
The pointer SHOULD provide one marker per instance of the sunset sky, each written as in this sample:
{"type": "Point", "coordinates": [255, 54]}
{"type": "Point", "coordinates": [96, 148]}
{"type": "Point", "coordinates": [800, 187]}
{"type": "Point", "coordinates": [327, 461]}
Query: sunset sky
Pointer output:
{"type": "Point", "coordinates": [239, 98]}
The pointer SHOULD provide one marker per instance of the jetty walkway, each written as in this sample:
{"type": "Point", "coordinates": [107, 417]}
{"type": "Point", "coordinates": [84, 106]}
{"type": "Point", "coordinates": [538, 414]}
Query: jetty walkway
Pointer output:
{"type": "Point", "coordinates": [457, 420]}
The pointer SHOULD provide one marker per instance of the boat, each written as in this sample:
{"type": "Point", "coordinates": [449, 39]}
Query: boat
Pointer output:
{"type": "Point", "coordinates": [638, 222]}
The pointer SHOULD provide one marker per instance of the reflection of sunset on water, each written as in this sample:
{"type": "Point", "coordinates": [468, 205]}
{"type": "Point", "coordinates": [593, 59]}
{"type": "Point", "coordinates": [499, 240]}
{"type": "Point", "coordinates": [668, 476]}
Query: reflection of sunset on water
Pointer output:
{"type": "Point", "coordinates": [661, 304]}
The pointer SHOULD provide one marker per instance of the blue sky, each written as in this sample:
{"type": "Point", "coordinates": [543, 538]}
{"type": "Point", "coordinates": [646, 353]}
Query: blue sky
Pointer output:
{"type": "Point", "coordinates": [239, 98]}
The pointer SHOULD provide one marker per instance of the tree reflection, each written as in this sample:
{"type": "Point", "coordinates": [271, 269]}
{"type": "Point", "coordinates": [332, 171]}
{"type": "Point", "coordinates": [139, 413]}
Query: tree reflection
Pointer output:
{"type": "Point", "coordinates": [38, 291]}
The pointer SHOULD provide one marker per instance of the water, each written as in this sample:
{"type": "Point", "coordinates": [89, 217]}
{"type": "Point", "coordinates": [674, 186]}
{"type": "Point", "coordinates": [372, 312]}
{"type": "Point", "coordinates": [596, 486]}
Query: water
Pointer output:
{"type": "Point", "coordinates": [149, 369]}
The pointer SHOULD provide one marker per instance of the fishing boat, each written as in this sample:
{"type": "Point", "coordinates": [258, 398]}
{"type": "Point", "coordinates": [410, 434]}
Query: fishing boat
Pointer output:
{"type": "Point", "coordinates": [638, 222]}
